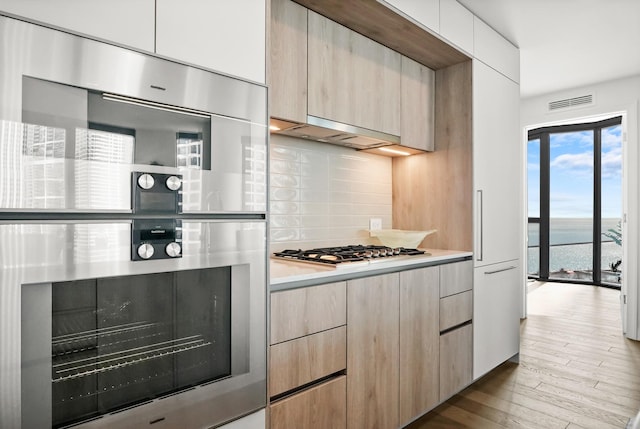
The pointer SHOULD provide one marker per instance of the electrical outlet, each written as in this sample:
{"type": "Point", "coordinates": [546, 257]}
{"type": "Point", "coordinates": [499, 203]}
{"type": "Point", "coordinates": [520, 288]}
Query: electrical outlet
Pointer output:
{"type": "Point", "coordinates": [375, 223]}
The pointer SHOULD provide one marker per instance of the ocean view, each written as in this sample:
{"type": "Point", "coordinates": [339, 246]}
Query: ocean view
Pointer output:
{"type": "Point", "coordinates": [562, 255]}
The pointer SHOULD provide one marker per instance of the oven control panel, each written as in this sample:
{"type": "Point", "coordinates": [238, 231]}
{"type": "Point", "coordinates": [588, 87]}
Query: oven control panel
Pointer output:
{"type": "Point", "coordinates": [156, 193]}
{"type": "Point", "coordinates": [156, 239]}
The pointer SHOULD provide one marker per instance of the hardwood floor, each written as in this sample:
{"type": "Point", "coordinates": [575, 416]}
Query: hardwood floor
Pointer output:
{"type": "Point", "coordinates": [576, 369]}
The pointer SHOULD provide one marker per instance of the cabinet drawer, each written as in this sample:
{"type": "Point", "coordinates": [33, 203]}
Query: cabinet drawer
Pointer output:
{"type": "Point", "coordinates": [323, 406]}
{"type": "Point", "coordinates": [303, 360]}
{"type": "Point", "coordinates": [304, 311]}
{"type": "Point", "coordinates": [456, 309]}
{"type": "Point", "coordinates": [456, 361]}
{"type": "Point", "coordinates": [456, 278]}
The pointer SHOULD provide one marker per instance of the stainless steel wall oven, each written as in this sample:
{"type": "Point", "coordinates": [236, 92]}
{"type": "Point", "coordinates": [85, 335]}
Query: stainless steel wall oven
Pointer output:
{"type": "Point", "coordinates": [133, 221]}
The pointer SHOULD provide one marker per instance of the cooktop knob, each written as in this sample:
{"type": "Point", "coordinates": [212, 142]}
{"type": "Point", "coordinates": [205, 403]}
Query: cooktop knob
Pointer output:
{"type": "Point", "coordinates": [173, 183]}
{"type": "Point", "coordinates": [146, 181]}
{"type": "Point", "coordinates": [173, 249]}
{"type": "Point", "coordinates": [145, 250]}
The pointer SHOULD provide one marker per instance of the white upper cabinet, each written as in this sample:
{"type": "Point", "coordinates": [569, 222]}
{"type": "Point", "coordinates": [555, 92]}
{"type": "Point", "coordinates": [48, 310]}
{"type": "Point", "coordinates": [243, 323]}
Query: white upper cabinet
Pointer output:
{"type": "Point", "coordinates": [226, 36]}
{"type": "Point", "coordinates": [495, 51]}
{"type": "Point", "coordinates": [125, 22]}
{"type": "Point", "coordinates": [424, 12]}
{"type": "Point", "coordinates": [456, 24]}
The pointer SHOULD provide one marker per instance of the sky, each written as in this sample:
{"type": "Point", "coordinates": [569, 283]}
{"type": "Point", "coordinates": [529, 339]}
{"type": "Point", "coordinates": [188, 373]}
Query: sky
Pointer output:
{"type": "Point", "coordinates": [571, 174]}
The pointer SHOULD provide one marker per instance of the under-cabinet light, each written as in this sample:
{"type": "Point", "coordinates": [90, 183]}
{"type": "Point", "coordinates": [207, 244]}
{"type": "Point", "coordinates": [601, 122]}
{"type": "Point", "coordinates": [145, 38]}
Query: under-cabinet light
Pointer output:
{"type": "Point", "coordinates": [395, 151]}
{"type": "Point", "coordinates": [154, 105]}
{"type": "Point", "coordinates": [274, 128]}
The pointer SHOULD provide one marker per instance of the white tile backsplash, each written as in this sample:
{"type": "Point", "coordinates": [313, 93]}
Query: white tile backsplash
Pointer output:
{"type": "Point", "coordinates": [323, 195]}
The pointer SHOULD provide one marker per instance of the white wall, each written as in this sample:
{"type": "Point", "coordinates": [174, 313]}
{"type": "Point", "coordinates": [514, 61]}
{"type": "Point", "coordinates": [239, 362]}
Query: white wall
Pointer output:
{"type": "Point", "coordinates": [323, 195]}
{"type": "Point", "coordinates": [612, 97]}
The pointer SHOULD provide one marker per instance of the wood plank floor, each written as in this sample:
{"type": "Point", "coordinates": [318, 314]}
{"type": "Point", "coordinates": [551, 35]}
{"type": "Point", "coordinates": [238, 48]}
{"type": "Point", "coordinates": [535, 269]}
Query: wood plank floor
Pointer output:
{"type": "Point", "coordinates": [576, 369]}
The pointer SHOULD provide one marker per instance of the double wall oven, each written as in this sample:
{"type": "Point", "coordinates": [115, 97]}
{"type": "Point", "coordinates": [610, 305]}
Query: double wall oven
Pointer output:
{"type": "Point", "coordinates": [132, 237]}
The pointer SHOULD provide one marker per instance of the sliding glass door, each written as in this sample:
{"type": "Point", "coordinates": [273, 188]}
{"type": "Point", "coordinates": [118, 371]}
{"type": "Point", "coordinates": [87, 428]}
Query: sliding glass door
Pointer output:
{"type": "Point", "coordinates": [574, 182]}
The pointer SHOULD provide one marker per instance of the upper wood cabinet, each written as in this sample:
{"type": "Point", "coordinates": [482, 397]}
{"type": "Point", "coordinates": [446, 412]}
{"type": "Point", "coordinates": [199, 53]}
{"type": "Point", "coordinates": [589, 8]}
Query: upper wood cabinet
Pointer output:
{"type": "Point", "coordinates": [287, 75]}
{"type": "Point", "coordinates": [224, 36]}
{"type": "Point", "coordinates": [417, 108]}
{"type": "Point", "coordinates": [127, 22]}
{"type": "Point", "coordinates": [419, 342]}
{"type": "Point", "coordinates": [372, 352]}
{"type": "Point", "coordinates": [352, 79]}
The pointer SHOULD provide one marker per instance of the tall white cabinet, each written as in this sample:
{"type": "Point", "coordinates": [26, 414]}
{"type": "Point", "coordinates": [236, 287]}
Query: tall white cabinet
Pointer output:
{"type": "Point", "coordinates": [497, 224]}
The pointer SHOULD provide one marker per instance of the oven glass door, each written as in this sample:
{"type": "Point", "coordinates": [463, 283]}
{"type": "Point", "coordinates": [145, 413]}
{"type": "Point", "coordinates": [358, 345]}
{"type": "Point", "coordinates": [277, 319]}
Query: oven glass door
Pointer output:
{"type": "Point", "coordinates": [123, 340]}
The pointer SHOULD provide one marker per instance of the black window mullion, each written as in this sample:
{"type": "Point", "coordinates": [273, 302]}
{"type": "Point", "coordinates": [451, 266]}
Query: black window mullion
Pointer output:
{"type": "Point", "coordinates": [597, 205]}
{"type": "Point", "coordinates": [545, 161]}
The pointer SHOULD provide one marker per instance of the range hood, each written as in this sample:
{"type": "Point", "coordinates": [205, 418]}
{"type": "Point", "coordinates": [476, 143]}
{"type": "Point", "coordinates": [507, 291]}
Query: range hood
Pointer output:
{"type": "Point", "coordinates": [328, 131]}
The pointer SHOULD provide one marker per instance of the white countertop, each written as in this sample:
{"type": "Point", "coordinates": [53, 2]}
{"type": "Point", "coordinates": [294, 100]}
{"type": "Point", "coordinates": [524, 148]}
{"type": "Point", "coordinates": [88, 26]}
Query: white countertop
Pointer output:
{"type": "Point", "coordinates": [285, 272]}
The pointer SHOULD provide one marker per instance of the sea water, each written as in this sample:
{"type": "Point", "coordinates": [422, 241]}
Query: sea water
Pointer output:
{"type": "Point", "coordinates": [564, 253]}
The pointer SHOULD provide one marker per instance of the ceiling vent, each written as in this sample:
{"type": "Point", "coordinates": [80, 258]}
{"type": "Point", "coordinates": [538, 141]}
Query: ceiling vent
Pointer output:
{"type": "Point", "coordinates": [571, 102]}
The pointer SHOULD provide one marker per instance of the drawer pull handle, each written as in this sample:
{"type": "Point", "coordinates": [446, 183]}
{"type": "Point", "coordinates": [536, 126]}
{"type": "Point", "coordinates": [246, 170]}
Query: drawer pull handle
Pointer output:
{"type": "Point", "coordinates": [513, 267]}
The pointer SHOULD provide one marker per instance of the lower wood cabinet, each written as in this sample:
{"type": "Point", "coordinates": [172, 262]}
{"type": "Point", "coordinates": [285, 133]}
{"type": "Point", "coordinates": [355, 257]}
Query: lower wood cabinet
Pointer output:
{"type": "Point", "coordinates": [404, 348]}
{"type": "Point", "coordinates": [419, 342]}
{"type": "Point", "coordinates": [322, 406]}
{"type": "Point", "coordinates": [373, 352]}
{"type": "Point", "coordinates": [298, 362]}
{"type": "Point", "coordinates": [456, 360]}
{"type": "Point", "coordinates": [299, 312]}
{"type": "Point", "coordinates": [456, 310]}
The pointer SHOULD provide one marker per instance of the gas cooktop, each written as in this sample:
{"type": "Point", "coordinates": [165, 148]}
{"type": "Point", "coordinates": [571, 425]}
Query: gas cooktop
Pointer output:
{"type": "Point", "coordinates": [342, 256]}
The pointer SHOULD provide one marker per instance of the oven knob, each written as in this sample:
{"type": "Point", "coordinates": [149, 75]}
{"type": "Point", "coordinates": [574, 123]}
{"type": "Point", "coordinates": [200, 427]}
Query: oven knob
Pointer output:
{"type": "Point", "coordinates": [146, 181]}
{"type": "Point", "coordinates": [173, 183]}
{"type": "Point", "coordinates": [173, 249]}
{"type": "Point", "coordinates": [145, 250]}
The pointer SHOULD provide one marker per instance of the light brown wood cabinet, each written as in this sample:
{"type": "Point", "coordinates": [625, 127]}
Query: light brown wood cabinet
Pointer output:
{"type": "Point", "coordinates": [456, 339]}
{"type": "Point", "coordinates": [351, 78]}
{"type": "Point", "coordinates": [373, 352]}
{"type": "Point", "coordinates": [417, 106]}
{"type": "Point", "coordinates": [298, 362]}
{"type": "Point", "coordinates": [287, 72]}
{"type": "Point", "coordinates": [308, 343]}
{"type": "Point", "coordinates": [322, 406]}
{"type": "Point", "coordinates": [322, 68]}
{"type": "Point", "coordinates": [398, 365]}
{"type": "Point", "coordinates": [456, 309]}
{"type": "Point", "coordinates": [456, 360]}
{"type": "Point", "coordinates": [456, 278]}
{"type": "Point", "coordinates": [299, 312]}
{"type": "Point", "coordinates": [419, 342]}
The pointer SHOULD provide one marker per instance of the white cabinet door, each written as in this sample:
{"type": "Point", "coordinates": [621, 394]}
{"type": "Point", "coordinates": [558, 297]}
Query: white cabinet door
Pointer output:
{"type": "Point", "coordinates": [126, 22]}
{"type": "Point", "coordinates": [456, 24]}
{"type": "Point", "coordinates": [493, 49]}
{"type": "Point", "coordinates": [425, 12]}
{"type": "Point", "coordinates": [227, 36]}
{"type": "Point", "coordinates": [496, 315]}
{"type": "Point", "coordinates": [496, 166]}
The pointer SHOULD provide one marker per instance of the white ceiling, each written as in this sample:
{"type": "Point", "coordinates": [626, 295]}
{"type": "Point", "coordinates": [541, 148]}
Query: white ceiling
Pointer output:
{"type": "Point", "coordinates": [567, 43]}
